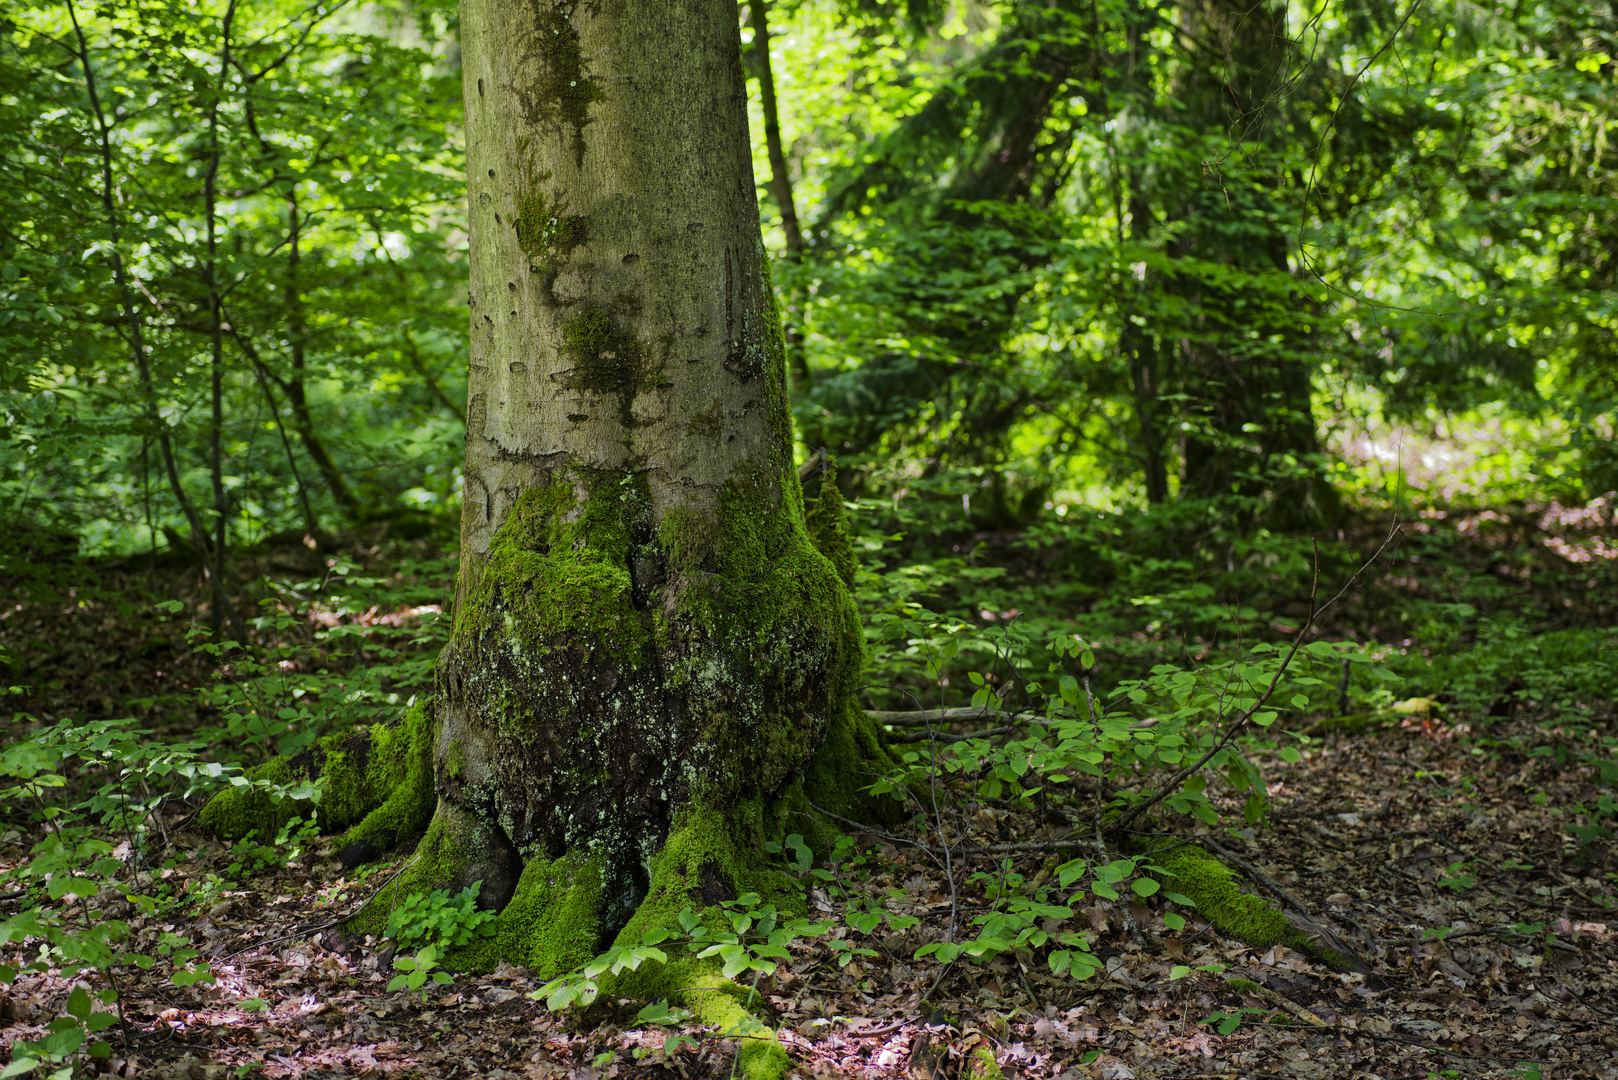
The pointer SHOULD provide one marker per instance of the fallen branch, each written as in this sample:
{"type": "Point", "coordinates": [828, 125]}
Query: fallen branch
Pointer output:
{"type": "Point", "coordinates": [931, 716]}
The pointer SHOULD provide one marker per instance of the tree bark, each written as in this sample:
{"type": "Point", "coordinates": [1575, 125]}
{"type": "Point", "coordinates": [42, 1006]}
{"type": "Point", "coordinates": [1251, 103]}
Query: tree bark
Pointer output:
{"type": "Point", "coordinates": [652, 667]}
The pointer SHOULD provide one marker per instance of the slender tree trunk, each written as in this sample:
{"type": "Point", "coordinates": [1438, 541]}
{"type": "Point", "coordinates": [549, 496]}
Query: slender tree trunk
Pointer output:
{"type": "Point", "coordinates": [780, 179]}
{"type": "Point", "coordinates": [216, 355]}
{"type": "Point", "coordinates": [293, 385]}
{"type": "Point", "coordinates": [652, 668]}
{"type": "Point", "coordinates": [132, 320]}
{"type": "Point", "coordinates": [780, 175]}
{"type": "Point", "coordinates": [245, 343]}
{"type": "Point", "coordinates": [1139, 344]}
{"type": "Point", "coordinates": [1246, 375]}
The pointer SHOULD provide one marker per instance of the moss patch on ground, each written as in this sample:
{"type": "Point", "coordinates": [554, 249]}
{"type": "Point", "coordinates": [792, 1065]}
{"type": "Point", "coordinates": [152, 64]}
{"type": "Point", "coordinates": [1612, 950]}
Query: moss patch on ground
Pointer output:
{"type": "Point", "coordinates": [1211, 885]}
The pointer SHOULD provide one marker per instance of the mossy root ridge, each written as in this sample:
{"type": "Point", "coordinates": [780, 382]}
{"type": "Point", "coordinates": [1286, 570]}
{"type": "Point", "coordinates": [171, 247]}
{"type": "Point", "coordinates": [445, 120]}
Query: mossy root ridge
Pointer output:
{"type": "Point", "coordinates": [1212, 887]}
{"type": "Point", "coordinates": [378, 787]}
{"type": "Point", "coordinates": [705, 853]}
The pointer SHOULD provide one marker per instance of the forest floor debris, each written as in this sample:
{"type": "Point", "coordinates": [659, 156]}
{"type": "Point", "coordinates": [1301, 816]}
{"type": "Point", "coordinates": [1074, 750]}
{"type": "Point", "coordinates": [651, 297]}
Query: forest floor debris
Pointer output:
{"type": "Point", "coordinates": [1493, 941]}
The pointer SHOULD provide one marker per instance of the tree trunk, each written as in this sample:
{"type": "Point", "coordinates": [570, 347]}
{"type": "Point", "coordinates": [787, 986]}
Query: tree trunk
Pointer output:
{"type": "Point", "coordinates": [653, 667]}
{"type": "Point", "coordinates": [780, 180]}
{"type": "Point", "coordinates": [1247, 373]}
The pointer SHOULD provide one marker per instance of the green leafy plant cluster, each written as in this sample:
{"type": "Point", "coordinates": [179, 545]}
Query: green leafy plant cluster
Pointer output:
{"type": "Point", "coordinates": [440, 920]}
{"type": "Point", "coordinates": [415, 971]}
{"type": "Point", "coordinates": [74, 870]}
{"type": "Point", "coordinates": [740, 936]}
{"type": "Point", "coordinates": [69, 1036]}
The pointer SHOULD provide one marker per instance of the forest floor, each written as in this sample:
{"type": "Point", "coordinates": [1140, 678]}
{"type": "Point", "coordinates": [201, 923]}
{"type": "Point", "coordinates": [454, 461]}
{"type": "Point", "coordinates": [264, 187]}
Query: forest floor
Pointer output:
{"type": "Point", "coordinates": [1437, 850]}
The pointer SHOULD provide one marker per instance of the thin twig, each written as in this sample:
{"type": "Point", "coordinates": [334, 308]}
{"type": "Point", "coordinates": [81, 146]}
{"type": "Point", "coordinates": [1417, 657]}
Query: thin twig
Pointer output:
{"type": "Point", "coordinates": [309, 930]}
{"type": "Point", "coordinates": [1164, 791]}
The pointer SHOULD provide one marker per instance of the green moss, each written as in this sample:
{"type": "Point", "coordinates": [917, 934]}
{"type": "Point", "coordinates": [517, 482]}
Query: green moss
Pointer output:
{"type": "Point", "coordinates": [1212, 887]}
{"type": "Point", "coordinates": [562, 90]}
{"type": "Point", "coordinates": [828, 526]}
{"type": "Point", "coordinates": [377, 783]}
{"type": "Point", "coordinates": [1352, 724]}
{"type": "Point", "coordinates": [704, 855]}
{"type": "Point", "coordinates": [439, 861]}
{"type": "Point", "coordinates": [400, 769]}
{"type": "Point", "coordinates": [607, 360]}
{"type": "Point", "coordinates": [715, 1001]}
{"type": "Point", "coordinates": [239, 812]}
{"type": "Point", "coordinates": [1245, 986]}
{"type": "Point", "coordinates": [553, 578]}
{"type": "Point", "coordinates": [981, 1064]}
{"type": "Point", "coordinates": [747, 578]}
{"type": "Point", "coordinates": [1422, 707]}
{"type": "Point", "coordinates": [546, 232]}
{"type": "Point", "coordinates": [851, 759]}
{"type": "Point", "coordinates": [552, 924]}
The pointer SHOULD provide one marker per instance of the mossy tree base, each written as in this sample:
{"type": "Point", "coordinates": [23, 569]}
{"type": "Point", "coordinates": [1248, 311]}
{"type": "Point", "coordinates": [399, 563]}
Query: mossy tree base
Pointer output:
{"type": "Point", "coordinates": [627, 714]}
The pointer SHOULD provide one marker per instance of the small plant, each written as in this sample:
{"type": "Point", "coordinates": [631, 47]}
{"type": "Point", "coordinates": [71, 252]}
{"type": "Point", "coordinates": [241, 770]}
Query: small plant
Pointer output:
{"type": "Point", "coordinates": [414, 971]}
{"type": "Point", "coordinates": [69, 1036]}
{"type": "Point", "coordinates": [1227, 1021]}
{"type": "Point", "coordinates": [662, 1015]}
{"type": "Point", "coordinates": [440, 920]}
{"type": "Point", "coordinates": [1455, 877]}
{"type": "Point", "coordinates": [752, 937]}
